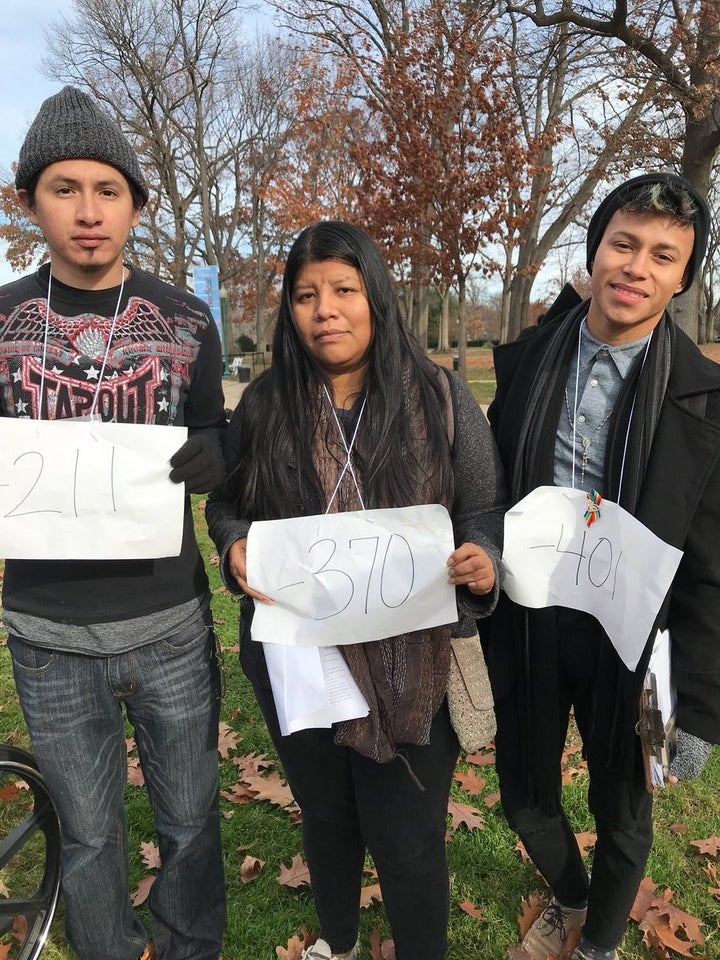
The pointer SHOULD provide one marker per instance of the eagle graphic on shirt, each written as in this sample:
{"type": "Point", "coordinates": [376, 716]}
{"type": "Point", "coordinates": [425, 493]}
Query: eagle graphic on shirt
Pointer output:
{"type": "Point", "coordinates": [146, 362]}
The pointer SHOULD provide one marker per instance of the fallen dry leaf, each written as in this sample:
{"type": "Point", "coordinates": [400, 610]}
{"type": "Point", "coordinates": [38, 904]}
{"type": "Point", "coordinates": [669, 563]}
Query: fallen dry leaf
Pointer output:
{"type": "Point", "coordinates": [271, 788]}
{"type": "Point", "coordinates": [468, 907]}
{"type": "Point", "coordinates": [661, 927]}
{"type": "Point", "coordinates": [571, 941]}
{"type": "Point", "coordinates": [252, 763]}
{"type": "Point", "coordinates": [296, 875]}
{"type": "Point", "coordinates": [135, 775]}
{"type": "Point", "coordinates": [19, 927]}
{"type": "Point", "coordinates": [293, 950]}
{"type": "Point", "coordinates": [238, 793]}
{"type": "Point", "coordinates": [369, 894]}
{"type": "Point", "coordinates": [711, 870]}
{"type": "Point", "coordinates": [709, 847]}
{"type": "Point", "coordinates": [250, 868]}
{"type": "Point", "coordinates": [647, 892]}
{"type": "Point", "coordinates": [678, 828]}
{"type": "Point", "coordinates": [480, 759]}
{"type": "Point", "coordinates": [665, 927]}
{"type": "Point", "coordinates": [9, 792]}
{"type": "Point", "coordinates": [570, 774]}
{"type": "Point", "coordinates": [524, 855]}
{"type": "Point", "coordinates": [227, 740]}
{"type": "Point", "coordinates": [381, 949]}
{"type": "Point", "coordinates": [150, 855]}
{"type": "Point", "coordinates": [530, 910]}
{"type": "Point", "coordinates": [463, 813]}
{"type": "Point", "coordinates": [491, 799]}
{"type": "Point", "coordinates": [586, 842]}
{"type": "Point", "coordinates": [470, 781]}
{"type": "Point", "coordinates": [140, 894]}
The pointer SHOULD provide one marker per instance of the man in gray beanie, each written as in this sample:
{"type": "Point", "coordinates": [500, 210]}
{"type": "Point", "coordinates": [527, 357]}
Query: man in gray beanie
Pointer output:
{"type": "Point", "coordinates": [610, 397]}
{"type": "Point", "coordinates": [89, 336]}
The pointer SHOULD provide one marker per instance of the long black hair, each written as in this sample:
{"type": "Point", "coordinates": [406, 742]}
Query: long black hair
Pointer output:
{"type": "Point", "coordinates": [282, 407]}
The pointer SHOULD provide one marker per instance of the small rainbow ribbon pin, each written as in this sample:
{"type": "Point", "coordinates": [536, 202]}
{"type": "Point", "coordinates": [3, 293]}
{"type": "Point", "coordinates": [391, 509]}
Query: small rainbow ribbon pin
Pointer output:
{"type": "Point", "coordinates": [593, 508]}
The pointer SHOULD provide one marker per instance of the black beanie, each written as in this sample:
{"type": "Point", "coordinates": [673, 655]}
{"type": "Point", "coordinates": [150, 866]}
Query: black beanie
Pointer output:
{"type": "Point", "coordinates": [71, 126]}
{"type": "Point", "coordinates": [623, 194]}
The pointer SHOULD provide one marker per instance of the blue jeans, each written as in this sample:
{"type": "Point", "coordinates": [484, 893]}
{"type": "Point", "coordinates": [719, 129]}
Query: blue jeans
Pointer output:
{"type": "Point", "coordinates": [73, 709]}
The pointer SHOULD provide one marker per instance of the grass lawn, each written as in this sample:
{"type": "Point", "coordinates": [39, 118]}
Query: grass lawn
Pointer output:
{"type": "Point", "coordinates": [486, 869]}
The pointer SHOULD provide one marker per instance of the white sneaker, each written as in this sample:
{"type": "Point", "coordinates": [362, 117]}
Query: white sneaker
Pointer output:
{"type": "Point", "coordinates": [320, 950]}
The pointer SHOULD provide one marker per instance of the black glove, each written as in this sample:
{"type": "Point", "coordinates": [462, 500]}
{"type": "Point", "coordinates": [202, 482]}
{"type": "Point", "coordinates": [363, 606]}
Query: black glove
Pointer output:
{"type": "Point", "coordinates": [199, 463]}
{"type": "Point", "coordinates": [691, 756]}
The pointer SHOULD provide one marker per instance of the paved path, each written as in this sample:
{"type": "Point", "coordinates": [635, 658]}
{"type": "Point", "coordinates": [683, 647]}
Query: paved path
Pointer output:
{"type": "Point", "coordinates": [233, 391]}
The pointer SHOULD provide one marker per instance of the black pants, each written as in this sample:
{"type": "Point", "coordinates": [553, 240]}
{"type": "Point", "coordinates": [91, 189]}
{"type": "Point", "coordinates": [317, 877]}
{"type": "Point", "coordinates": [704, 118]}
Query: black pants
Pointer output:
{"type": "Point", "coordinates": [622, 809]}
{"type": "Point", "coordinates": [349, 804]}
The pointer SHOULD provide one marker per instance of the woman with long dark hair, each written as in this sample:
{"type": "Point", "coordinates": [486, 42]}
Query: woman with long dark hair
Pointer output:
{"type": "Point", "coordinates": [349, 384]}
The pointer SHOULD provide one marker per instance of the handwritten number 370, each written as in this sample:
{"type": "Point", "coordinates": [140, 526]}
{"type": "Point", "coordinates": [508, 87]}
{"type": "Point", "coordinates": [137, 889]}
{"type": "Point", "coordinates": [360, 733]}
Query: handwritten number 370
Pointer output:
{"type": "Point", "coordinates": [342, 585]}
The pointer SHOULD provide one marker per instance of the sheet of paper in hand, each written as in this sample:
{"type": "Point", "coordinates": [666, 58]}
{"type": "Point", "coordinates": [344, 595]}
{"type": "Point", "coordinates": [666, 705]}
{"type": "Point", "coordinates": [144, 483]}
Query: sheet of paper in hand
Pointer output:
{"type": "Point", "coordinates": [312, 687]}
{"type": "Point", "coordinates": [351, 577]}
{"type": "Point", "coordinates": [562, 548]}
{"type": "Point", "coordinates": [79, 490]}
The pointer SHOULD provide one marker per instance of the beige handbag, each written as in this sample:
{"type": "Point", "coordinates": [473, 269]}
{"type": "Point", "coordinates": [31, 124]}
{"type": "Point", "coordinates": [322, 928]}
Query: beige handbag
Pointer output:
{"type": "Point", "coordinates": [469, 695]}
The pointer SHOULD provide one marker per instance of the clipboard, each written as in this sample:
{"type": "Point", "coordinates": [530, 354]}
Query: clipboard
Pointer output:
{"type": "Point", "coordinates": [657, 727]}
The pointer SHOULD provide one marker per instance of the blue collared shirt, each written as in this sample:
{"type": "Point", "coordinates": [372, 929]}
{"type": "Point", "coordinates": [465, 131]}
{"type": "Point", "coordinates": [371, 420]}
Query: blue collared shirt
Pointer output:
{"type": "Point", "coordinates": [599, 371]}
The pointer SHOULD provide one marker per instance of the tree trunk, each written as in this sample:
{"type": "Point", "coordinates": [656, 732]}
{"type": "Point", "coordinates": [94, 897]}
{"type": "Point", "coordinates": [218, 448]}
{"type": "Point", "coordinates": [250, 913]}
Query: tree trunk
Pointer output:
{"type": "Point", "coordinates": [462, 328]}
{"type": "Point", "coordinates": [699, 149]}
{"type": "Point", "coordinates": [443, 344]}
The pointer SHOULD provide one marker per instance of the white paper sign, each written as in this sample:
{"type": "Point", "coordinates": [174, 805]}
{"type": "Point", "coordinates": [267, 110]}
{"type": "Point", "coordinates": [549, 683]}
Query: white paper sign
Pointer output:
{"type": "Point", "coordinates": [615, 569]}
{"type": "Point", "coordinates": [351, 577]}
{"type": "Point", "coordinates": [72, 490]}
{"type": "Point", "coordinates": [312, 687]}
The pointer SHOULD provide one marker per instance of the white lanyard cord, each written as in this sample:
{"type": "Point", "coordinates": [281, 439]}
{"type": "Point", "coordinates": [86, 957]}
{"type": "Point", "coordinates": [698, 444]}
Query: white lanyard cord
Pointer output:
{"type": "Point", "coordinates": [93, 408]}
{"type": "Point", "coordinates": [348, 450]}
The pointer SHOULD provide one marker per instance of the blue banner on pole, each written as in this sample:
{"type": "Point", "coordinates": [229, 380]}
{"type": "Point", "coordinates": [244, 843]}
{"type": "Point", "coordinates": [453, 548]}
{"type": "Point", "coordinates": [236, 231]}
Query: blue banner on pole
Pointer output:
{"type": "Point", "coordinates": [206, 285]}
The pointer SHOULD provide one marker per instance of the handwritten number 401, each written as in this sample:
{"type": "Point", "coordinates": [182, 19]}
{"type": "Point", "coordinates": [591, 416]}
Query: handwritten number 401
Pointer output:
{"type": "Point", "coordinates": [601, 562]}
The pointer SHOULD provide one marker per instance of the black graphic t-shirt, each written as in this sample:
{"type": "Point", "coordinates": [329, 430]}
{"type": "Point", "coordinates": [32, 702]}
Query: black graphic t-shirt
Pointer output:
{"type": "Point", "coordinates": [161, 365]}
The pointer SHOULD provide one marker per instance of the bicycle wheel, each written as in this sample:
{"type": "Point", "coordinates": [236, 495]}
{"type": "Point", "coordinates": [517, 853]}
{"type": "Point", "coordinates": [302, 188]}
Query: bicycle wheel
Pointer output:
{"type": "Point", "coordinates": [29, 855]}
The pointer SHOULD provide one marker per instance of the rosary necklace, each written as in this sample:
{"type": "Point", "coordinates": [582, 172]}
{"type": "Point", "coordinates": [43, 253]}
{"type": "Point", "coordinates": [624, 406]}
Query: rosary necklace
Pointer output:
{"type": "Point", "coordinates": [585, 440]}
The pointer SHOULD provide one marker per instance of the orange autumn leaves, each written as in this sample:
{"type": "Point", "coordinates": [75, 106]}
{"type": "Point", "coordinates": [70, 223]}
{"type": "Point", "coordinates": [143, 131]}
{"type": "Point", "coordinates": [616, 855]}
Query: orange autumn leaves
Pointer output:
{"type": "Point", "coordinates": [666, 929]}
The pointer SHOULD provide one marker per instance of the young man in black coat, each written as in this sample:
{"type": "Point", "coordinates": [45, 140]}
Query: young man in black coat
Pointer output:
{"type": "Point", "coordinates": [609, 395]}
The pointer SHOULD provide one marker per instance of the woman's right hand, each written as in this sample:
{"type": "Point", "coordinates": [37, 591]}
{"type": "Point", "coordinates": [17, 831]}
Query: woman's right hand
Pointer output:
{"type": "Point", "coordinates": [237, 565]}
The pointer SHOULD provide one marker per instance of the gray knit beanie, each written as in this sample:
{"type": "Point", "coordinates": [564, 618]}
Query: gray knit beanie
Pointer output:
{"type": "Point", "coordinates": [71, 126]}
